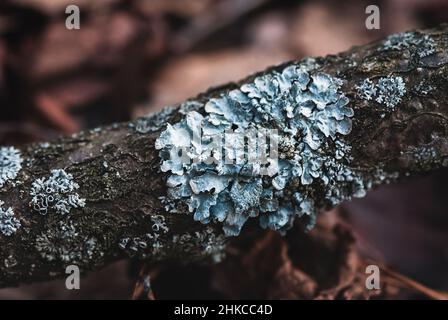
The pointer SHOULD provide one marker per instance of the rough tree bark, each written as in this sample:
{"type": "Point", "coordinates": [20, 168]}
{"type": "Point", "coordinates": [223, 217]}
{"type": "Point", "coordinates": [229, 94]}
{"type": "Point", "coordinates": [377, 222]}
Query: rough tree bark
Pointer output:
{"type": "Point", "coordinates": [118, 169]}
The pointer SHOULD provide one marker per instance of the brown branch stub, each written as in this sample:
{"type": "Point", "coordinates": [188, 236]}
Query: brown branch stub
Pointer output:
{"type": "Point", "coordinates": [117, 168]}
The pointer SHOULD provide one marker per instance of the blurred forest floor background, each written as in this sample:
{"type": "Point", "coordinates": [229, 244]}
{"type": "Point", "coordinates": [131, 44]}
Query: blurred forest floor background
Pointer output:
{"type": "Point", "coordinates": [132, 57]}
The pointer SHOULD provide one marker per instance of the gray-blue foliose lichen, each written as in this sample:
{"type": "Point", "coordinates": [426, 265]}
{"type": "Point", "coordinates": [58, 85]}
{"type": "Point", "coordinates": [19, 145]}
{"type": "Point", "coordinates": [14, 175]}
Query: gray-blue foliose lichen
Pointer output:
{"type": "Point", "coordinates": [57, 193]}
{"type": "Point", "coordinates": [311, 115]}
{"type": "Point", "coordinates": [388, 91]}
{"type": "Point", "coordinates": [8, 223]}
{"type": "Point", "coordinates": [10, 164]}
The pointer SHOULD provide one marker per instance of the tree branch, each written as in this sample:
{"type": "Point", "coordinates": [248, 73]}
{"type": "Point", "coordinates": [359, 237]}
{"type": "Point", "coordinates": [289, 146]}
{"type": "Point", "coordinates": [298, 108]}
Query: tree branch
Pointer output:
{"type": "Point", "coordinates": [113, 204]}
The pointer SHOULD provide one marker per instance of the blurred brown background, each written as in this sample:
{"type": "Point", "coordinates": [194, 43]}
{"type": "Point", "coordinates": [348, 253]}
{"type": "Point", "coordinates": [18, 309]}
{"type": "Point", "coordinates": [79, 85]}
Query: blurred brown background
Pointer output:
{"type": "Point", "coordinates": [132, 57]}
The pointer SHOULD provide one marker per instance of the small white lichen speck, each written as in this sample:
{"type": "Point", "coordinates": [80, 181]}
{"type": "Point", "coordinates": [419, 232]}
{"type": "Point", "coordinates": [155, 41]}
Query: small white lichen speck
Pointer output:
{"type": "Point", "coordinates": [423, 87]}
{"type": "Point", "coordinates": [148, 244]}
{"type": "Point", "coordinates": [10, 164]}
{"type": "Point", "coordinates": [209, 243]}
{"type": "Point", "coordinates": [8, 223]}
{"type": "Point", "coordinates": [388, 91]}
{"type": "Point", "coordinates": [311, 114]}
{"type": "Point", "coordinates": [57, 193]}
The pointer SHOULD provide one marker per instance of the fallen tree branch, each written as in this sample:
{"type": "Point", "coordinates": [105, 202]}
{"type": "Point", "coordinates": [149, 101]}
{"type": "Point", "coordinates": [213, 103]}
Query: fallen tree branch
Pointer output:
{"type": "Point", "coordinates": [99, 195]}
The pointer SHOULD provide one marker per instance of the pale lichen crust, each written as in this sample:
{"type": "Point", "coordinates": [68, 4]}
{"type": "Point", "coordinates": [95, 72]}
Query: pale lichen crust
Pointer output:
{"type": "Point", "coordinates": [10, 164]}
{"type": "Point", "coordinates": [56, 193]}
{"type": "Point", "coordinates": [388, 91]}
{"type": "Point", "coordinates": [8, 223]}
{"type": "Point", "coordinates": [158, 244]}
{"type": "Point", "coordinates": [310, 114]}
{"type": "Point", "coordinates": [62, 242]}
{"type": "Point", "coordinates": [415, 43]}
{"type": "Point", "coordinates": [200, 244]}
{"type": "Point", "coordinates": [153, 122]}
{"type": "Point", "coordinates": [135, 245]}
